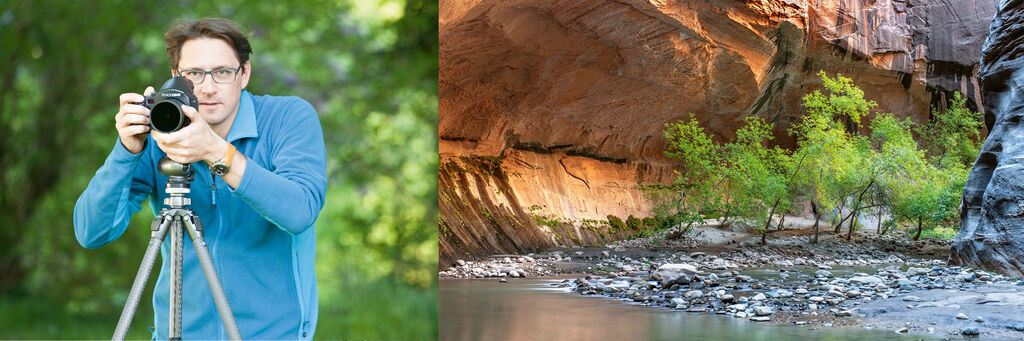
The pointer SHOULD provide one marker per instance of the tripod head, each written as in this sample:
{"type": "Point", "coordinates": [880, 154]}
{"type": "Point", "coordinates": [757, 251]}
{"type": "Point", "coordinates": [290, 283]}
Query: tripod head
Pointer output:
{"type": "Point", "coordinates": [178, 178]}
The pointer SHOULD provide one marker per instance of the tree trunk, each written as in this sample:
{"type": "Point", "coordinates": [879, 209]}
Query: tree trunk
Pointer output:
{"type": "Point", "coordinates": [768, 222]}
{"type": "Point", "coordinates": [855, 220]}
{"type": "Point", "coordinates": [725, 218]}
{"type": "Point", "coordinates": [878, 229]}
{"type": "Point", "coordinates": [853, 224]}
{"type": "Point", "coordinates": [918, 235]}
{"type": "Point", "coordinates": [782, 220]}
{"type": "Point", "coordinates": [763, 235]}
{"type": "Point", "coordinates": [817, 217]}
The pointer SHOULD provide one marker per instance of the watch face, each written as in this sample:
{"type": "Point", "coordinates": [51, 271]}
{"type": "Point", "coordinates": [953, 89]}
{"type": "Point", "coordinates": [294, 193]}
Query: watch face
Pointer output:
{"type": "Point", "coordinates": [219, 169]}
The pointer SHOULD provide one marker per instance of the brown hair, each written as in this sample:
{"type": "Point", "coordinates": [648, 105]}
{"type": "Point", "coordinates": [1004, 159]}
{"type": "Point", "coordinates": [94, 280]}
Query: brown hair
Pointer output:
{"type": "Point", "coordinates": [216, 28]}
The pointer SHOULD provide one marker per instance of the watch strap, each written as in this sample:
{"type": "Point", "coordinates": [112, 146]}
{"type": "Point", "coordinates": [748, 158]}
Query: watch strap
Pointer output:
{"type": "Point", "coordinates": [223, 166]}
{"type": "Point", "coordinates": [230, 155]}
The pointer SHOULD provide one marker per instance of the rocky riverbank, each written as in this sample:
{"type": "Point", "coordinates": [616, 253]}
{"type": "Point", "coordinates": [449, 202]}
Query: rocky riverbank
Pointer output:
{"type": "Point", "coordinates": [879, 282]}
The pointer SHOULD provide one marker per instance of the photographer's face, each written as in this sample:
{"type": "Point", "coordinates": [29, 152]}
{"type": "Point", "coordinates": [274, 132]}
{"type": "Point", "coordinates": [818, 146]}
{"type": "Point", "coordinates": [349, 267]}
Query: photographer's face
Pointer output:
{"type": "Point", "coordinates": [218, 103]}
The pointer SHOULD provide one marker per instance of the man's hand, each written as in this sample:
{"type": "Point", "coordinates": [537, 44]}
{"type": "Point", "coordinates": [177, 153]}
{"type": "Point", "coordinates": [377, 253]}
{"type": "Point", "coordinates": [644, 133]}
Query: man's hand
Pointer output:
{"type": "Point", "coordinates": [194, 142]}
{"type": "Point", "coordinates": [132, 121]}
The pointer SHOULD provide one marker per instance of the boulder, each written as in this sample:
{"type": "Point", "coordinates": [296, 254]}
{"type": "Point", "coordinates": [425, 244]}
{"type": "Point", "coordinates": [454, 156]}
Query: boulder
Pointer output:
{"type": "Point", "coordinates": [866, 280]}
{"type": "Point", "coordinates": [912, 271]}
{"type": "Point", "coordinates": [693, 294]}
{"type": "Point", "coordinates": [762, 310]}
{"type": "Point", "coordinates": [673, 273]}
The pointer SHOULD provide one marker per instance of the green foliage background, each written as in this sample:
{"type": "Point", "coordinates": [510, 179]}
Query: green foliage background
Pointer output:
{"type": "Point", "coordinates": [369, 67]}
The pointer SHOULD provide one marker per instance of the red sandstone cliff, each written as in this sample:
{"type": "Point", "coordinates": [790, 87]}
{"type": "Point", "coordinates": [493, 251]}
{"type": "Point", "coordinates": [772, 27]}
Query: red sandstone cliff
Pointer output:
{"type": "Point", "coordinates": [555, 108]}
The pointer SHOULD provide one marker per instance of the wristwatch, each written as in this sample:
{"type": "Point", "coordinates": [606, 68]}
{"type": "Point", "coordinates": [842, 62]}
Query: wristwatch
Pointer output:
{"type": "Point", "coordinates": [224, 165]}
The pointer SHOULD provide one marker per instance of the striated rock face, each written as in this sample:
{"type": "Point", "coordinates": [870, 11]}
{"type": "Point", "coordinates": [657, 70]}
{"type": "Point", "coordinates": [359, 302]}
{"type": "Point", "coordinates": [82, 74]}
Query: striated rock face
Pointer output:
{"type": "Point", "coordinates": [992, 210]}
{"type": "Point", "coordinates": [523, 200]}
{"type": "Point", "coordinates": [557, 82]}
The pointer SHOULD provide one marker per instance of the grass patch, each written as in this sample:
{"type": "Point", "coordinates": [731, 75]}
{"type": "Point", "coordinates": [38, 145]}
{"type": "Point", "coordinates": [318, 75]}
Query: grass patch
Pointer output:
{"type": "Point", "coordinates": [940, 232]}
{"type": "Point", "coordinates": [34, 318]}
{"type": "Point", "coordinates": [378, 310]}
{"type": "Point", "coordinates": [367, 310]}
{"type": "Point", "coordinates": [546, 220]}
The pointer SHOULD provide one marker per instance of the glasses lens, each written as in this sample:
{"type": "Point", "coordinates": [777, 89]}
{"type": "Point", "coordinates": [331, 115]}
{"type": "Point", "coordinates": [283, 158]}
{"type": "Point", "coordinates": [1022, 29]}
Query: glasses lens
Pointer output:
{"type": "Point", "coordinates": [195, 76]}
{"type": "Point", "coordinates": [223, 76]}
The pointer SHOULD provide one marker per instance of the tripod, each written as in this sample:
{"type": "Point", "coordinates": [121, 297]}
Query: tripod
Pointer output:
{"type": "Point", "coordinates": [176, 217]}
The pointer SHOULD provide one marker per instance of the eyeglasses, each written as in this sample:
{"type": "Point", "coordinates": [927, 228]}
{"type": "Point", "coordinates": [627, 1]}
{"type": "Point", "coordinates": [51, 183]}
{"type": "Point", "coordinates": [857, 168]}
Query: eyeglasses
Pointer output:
{"type": "Point", "coordinates": [220, 76]}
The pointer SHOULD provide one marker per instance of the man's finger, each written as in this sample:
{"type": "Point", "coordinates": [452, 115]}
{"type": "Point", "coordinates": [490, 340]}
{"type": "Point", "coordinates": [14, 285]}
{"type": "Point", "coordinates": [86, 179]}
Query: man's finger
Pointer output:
{"type": "Point", "coordinates": [137, 129]}
{"type": "Point", "coordinates": [160, 137]}
{"type": "Point", "coordinates": [149, 91]}
{"type": "Point", "coordinates": [132, 118]}
{"type": "Point", "coordinates": [166, 148]}
{"type": "Point", "coordinates": [135, 109]}
{"type": "Point", "coordinates": [131, 97]}
{"type": "Point", "coordinates": [191, 113]}
{"type": "Point", "coordinates": [174, 137]}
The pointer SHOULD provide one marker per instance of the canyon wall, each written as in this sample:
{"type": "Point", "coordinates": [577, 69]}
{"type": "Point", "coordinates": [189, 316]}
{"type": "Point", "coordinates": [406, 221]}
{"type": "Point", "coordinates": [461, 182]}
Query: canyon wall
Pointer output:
{"type": "Point", "coordinates": [991, 212]}
{"type": "Point", "coordinates": [554, 110]}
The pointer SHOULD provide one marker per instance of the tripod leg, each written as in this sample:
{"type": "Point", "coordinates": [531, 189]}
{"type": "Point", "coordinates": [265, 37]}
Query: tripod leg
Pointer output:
{"type": "Point", "coordinates": [176, 256]}
{"type": "Point", "coordinates": [159, 228]}
{"type": "Point", "coordinates": [195, 231]}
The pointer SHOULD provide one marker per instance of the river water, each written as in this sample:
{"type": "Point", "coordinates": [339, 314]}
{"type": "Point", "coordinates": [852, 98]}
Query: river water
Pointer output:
{"type": "Point", "coordinates": [532, 309]}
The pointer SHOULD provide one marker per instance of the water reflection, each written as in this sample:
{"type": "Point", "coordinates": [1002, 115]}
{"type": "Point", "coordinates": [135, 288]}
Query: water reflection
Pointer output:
{"type": "Point", "coordinates": [530, 309]}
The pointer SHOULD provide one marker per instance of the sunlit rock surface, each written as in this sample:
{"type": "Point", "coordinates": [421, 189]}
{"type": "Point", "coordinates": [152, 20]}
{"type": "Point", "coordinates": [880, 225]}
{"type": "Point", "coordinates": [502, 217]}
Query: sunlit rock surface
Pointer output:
{"type": "Point", "coordinates": [992, 211]}
{"type": "Point", "coordinates": [569, 98]}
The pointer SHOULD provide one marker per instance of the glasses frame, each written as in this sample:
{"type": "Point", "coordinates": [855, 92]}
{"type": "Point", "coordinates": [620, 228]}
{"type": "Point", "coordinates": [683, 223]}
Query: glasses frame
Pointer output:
{"type": "Point", "coordinates": [237, 70]}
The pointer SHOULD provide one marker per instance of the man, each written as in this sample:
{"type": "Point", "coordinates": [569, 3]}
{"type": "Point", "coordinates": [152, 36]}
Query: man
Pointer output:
{"type": "Point", "coordinates": [257, 215]}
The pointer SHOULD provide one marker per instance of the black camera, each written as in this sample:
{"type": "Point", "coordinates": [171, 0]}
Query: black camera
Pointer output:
{"type": "Point", "coordinates": [165, 113]}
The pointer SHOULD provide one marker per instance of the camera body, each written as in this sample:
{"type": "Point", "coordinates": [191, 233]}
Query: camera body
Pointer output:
{"type": "Point", "coordinates": [165, 113]}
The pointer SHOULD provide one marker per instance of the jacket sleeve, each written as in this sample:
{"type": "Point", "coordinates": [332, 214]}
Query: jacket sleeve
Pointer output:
{"type": "Point", "coordinates": [291, 192]}
{"type": "Point", "coordinates": [114, 194]}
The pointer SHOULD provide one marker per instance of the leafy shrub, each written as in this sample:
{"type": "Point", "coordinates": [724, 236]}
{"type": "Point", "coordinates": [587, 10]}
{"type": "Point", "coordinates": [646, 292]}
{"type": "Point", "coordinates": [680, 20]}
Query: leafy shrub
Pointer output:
{"type": "Point", "coordinates": [634, 224]}
{"type": "Point", "coordinates": [616, 224]}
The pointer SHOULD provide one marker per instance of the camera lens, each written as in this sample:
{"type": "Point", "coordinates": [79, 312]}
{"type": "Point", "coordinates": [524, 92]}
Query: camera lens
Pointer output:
{"type": "Point", "coordinates": [166, 117]}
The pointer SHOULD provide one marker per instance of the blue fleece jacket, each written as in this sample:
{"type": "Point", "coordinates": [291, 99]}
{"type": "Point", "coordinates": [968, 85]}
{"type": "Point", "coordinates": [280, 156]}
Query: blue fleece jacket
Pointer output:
{"type": "Point", "coordinates": [260, 235]}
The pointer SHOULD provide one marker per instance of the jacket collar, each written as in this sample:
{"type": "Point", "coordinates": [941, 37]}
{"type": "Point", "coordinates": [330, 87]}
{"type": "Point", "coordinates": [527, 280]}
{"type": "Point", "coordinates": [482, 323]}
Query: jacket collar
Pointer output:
{"type": "Point", "coordinates": [244, 125]}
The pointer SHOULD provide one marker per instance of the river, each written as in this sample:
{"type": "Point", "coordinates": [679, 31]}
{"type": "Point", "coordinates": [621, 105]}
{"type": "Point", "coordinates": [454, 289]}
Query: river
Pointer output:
{"type": "Point", "coordinates": [532, 309]}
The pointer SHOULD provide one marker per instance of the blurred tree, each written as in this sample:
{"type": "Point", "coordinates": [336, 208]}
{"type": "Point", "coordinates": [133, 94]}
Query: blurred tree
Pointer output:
{"type": "Point", "coordinates": [370, 69]}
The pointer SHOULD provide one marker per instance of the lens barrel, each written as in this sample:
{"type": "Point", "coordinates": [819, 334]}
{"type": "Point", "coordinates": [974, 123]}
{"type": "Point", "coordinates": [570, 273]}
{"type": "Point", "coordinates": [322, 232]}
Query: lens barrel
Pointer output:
{"type": "Point", "coordinates": [167, 117]}
{"type": "Point", "coordinates": [165, 113]}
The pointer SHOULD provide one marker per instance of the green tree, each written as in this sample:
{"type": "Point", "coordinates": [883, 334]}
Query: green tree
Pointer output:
{"type": "Point", "coordinates": [842, 171]}
{"type": "Point", "coordinates": [742, 178]}
{"type": "Point", "coordinates": [761, 175]}
{"type": "Point", "coordinates": [953, 135]}
{"type": "Point", "coordinates": [698, 185]}
{"type": "Point", "coordinates": [843, 101]}
{"type": "Point", "coordinates": [930, 198]}
{"type": "Point", "coordinates": [839, 171]}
